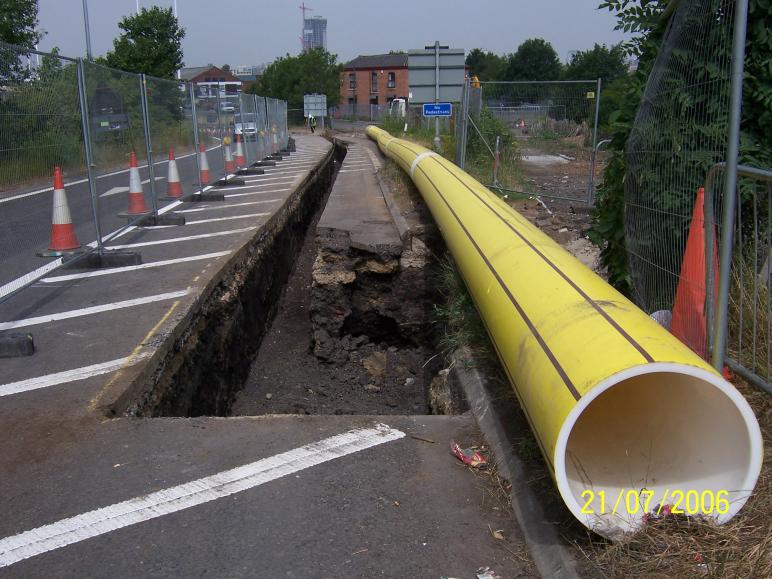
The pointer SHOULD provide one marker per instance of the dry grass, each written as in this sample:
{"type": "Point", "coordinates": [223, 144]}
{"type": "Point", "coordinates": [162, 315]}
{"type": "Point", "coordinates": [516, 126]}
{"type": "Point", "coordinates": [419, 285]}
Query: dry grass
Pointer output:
{"type": "Point", "coordinates": [681, 546]}
{"type": "Point", "coordinates": [749, 339]}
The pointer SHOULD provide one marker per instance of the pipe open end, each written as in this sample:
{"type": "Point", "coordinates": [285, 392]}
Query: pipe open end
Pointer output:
{"type": "Point", "coordinates": [658, 437]}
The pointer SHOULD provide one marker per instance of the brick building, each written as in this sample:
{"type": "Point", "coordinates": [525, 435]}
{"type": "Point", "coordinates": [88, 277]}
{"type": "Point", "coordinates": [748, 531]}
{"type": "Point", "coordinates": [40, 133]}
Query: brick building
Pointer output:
{"type": "Point", "coordinates": [210, 79]}
{"type": "Point", "coordinates": [376, 80]}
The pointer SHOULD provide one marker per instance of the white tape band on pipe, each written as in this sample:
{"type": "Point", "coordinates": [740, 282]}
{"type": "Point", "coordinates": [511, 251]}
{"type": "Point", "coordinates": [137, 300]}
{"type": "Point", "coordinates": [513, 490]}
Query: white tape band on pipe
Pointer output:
{"type": "Point", "coordinates": [420, 158]}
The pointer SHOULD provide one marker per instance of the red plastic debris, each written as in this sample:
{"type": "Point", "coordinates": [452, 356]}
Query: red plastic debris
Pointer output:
{"type": "Point", "coordinates": [468, 456]}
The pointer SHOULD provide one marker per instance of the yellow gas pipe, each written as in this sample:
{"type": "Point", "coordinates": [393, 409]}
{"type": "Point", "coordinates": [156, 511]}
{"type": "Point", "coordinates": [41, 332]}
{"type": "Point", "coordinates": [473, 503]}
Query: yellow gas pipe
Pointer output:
{"type": "Point", "coordinates": [628, 418]}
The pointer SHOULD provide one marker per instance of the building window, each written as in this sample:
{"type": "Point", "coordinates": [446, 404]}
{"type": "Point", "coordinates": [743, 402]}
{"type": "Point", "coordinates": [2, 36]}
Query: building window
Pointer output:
{"type": "Point", "coordinates": [373, 82]}
{"type": "Point", "coordinates": [352, 80]}
{"type": "Point", "coordinates": [392, 83]}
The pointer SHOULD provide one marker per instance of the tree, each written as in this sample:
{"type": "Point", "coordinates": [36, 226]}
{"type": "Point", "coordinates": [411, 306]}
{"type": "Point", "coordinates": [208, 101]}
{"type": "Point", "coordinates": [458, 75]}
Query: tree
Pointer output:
{"type": "Point", "coordinates": [600, 62]}
{"type": "Point", "coordinates": [225, 67]}
{"type": "Point", "coordinates": [535, 59]}
{"type": "Point", "coordinates": [485, 65]}
{"type": "Point", "coordinates": [18, 19]}
{"type": "Point", "coordinates": [290, 77]}
{"type": "Point", "coordinates": [150, 43]}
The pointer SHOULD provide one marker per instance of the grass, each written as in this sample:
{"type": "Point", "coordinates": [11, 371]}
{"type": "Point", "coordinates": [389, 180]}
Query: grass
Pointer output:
{"type": "Point", "coordinates": [749, 320]}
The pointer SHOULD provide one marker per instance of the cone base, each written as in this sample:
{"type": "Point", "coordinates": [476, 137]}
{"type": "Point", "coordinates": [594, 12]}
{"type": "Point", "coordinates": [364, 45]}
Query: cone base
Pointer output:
{"type": "Point", "coordinates": [59, 252]}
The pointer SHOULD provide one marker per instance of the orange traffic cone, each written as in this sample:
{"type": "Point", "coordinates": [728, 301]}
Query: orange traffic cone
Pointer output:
{"type": "Point", "coordinates": [173, 185]}
{"type": "Point", "coordinates": [203, 165]}
{"type": "Point", "coordinates": [63, 237]}
{"type": "Point", "coordinates": [241, 161]}
{"type": "Point", "coordinates": [230, 166]}
{"type": "Point", "coordinates": [136, 194]}
{"type": "Point", "coordinates": [689, 323]}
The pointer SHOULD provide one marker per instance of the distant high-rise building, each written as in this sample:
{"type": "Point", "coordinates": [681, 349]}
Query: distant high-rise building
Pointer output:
{"type": "Point", "coordinates": [314, 33]}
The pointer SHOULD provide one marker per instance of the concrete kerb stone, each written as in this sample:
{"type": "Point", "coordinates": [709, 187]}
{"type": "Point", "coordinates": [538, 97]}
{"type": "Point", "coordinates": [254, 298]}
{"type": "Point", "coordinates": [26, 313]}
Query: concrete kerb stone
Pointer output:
{"type": "Point", "coordinates": [399, 221]}
{"type": "Point", "coordinates": [549, 553]}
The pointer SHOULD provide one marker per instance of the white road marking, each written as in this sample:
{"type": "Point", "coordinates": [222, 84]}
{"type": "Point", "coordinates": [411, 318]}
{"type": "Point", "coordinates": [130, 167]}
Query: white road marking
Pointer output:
{"type": "Point", "coordinates": [231, 218]}
{"type": "Point", "coordinates": [68, 376]}
{"type": "Point", "coordinates": [257, 193]}
{"type": "Point", "coordinates": [220, 207]}
{"type": "Point", "coordinates": [19, 282]}
{"type": "Point", "coordinates": [173, 499]}
{"type": "Point", "coordinates": [271, 181]}
{"type": "Point", "coordinates": [113, 270]}
{"type": "Point", "coordinates": [181, 239]}
{"type": "Point", "coordinates": [114, 191]}
{"type": "Point", "coordinates": [355, 170]}
{"type": "Point", "coordinates": [91, 310]}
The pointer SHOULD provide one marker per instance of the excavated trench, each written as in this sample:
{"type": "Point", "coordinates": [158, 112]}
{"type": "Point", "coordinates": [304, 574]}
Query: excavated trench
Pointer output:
{"type": "Point", "coordinates": [303, 323]}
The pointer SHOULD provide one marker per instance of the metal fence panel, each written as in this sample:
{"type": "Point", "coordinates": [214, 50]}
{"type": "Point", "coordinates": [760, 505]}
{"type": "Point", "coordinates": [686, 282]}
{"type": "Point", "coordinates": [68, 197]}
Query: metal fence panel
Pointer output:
{"type": "Point", "coordinates": [679, 133]}
{"type": "Point", "coordinates": [60, 112]}
{"type": "Point", "coordinates": [546, 134]}
{"type": "Point", "coordinates": [40, 129]}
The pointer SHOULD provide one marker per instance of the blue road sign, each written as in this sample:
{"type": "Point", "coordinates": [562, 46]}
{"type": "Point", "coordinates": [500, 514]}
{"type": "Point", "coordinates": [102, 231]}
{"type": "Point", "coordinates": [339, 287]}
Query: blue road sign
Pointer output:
{"type": "Point", "coordinates": [438, 109]}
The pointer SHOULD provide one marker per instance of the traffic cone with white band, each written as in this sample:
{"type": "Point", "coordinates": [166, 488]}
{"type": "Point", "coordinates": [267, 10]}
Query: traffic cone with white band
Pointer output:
{"type": "Point", "coordinates": [173, 185]}
{"type": "Point", "coordinates": [63, 237]}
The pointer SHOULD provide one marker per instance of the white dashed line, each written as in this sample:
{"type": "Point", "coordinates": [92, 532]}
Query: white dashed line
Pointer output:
{"type": "Point", "coordinates": [65, 377]}
{"type": "Point", "coordinates": [171, 500]}
{"type": "Point", "coordinates": [128, 268]}
{"type": "Point", "coordinates": [91, 310]}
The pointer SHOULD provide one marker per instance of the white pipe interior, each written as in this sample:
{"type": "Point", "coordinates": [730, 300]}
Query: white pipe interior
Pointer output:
{"type": "Point", "coordinates": [660, 427]}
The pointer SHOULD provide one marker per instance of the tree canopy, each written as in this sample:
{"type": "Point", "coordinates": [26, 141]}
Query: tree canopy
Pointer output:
{"type": "Point", "coordinates": [607, 63]}
{"type": "Point", "coordinates": [534, 59]}
{"type": "Point", "coordinates": [290, 77]}
{"type": "Point", "coordinates": [485, 65]}
{"type": "Point", "coordinates": [151, 43]}
{"type": "Point", "coordinates": [18, 19]}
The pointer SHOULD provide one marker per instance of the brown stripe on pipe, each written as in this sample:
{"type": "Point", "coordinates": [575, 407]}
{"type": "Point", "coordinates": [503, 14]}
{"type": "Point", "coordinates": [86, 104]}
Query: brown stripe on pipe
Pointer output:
{"type": "Point", "coordinates": [558, 368]}
{"type": "Point", "coordinates": [568, 280]}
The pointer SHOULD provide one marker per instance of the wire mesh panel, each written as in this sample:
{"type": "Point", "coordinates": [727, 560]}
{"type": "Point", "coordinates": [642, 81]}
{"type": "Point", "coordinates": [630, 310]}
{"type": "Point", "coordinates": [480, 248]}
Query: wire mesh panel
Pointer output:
{"type": "Point", "coordinates": [245, 127]}
{"type": "Point", "coordinates": [749, 335]}
{"type": "Point", "coordinates": [117, 141]}
{"type": "Point", "coordinates": [680, 132]}
{"type": "Point", "coordinates": [209, 134]}
{"type": "Point", "coordinates": [171, 134]}
{"type": "Point", "coordinates": [545, 133]}
{"type": "Point", "coordinates": [263, 146]}
{"type": "Point", "coordinates": [40, 129]}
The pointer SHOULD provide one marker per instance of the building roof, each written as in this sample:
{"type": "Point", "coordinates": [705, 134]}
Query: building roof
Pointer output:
{"type": "Point", "coordinates": [378, 61]}
{"type": "Point", "coordinates": [193, 72]}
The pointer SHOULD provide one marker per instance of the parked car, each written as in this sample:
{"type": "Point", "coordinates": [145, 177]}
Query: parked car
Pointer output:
{"type": "Point", "coordinates": [227, 107]}
{"type": "Point", "coordinates": [246, 126]}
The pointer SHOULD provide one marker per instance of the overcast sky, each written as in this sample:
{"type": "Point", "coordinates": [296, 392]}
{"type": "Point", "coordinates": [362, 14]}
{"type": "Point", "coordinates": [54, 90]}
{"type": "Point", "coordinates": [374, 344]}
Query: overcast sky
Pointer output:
{"type": "Point", "coordinates": [244, 32]}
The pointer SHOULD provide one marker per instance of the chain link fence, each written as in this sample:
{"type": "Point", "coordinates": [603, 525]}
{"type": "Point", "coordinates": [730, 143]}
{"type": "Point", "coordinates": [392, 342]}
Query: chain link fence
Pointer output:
{"type": "Point", "coordinates": [533, 138]}
{"type": "Point", "coordinates": [679, 213]}
{"type": "Point", "coordinates": [123, 147]}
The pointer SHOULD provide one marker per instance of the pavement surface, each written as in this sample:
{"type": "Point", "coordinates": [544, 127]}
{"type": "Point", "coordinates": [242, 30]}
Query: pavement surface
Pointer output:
{"type": "Point", "coordinates": [321, 496]}
{"type": "Point", "coordinates": [356, 207]}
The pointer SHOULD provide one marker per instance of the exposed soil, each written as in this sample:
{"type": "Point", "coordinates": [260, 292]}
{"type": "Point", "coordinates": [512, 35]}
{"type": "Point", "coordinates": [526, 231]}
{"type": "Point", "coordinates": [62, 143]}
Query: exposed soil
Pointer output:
{"type": "Point", "coordinates": [350, 335]}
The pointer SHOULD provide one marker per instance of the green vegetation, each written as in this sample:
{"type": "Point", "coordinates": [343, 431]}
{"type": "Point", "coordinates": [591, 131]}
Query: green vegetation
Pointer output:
{"type": "Point", "coordinates": [290, 77]}
{"type": "Point", "coordinates": [485, 65]}
{"type": "Point", "coordinates": [534, 59]}
{"type": "Point", "coordinates": [606, 63]}
{"type": "Point", "coordinates": [151, 43]}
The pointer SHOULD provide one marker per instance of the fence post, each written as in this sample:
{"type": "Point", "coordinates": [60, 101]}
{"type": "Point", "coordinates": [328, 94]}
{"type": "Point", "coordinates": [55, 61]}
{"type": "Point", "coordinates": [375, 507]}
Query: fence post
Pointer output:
{"type": "Point", "coordinates": [730, 184]}
{"type": "Point", "coordinates": [196, 143]}
{"type": "Point", "coordinates": [591, 188]}
{"type": "Point", "coordinates": [81, 75]}
{"type": "Point", "coordinates": [148, 143]}
{"type": "Point", "coordinates": [496, 157]}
